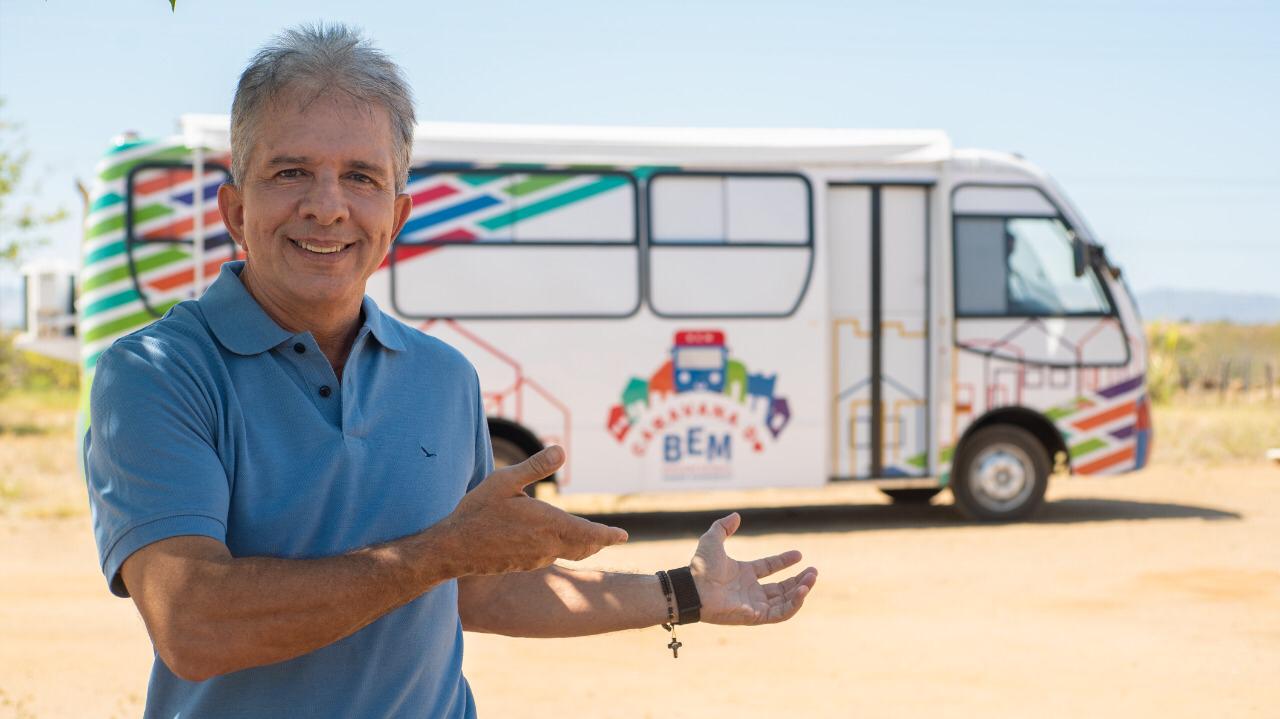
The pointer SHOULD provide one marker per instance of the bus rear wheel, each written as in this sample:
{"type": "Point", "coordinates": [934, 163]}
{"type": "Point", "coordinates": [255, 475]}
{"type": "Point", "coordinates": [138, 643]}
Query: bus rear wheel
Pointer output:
{"type": "Point", "coordinates": [506, 453]}
{"type": "Point", "coordinates": [1000, 474]}
{"type": "Point", "coordinates": [913, 495]}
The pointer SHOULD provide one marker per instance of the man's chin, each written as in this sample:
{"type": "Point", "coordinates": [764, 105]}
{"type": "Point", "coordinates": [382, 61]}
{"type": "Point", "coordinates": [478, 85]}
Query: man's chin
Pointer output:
{"type": "Point", "coordinates": [321, 293]}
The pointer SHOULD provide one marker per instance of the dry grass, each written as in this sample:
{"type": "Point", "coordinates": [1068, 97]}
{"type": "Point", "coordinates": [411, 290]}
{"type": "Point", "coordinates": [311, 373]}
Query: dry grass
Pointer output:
{"type": "Point", "coordinates": [39, 472]}
{"type": "Point", "coordinates": [1241, 362]}
{"type": "Point", "coordinates": [1203, 430]}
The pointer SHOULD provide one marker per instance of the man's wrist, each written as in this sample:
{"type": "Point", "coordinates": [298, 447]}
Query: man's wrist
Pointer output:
{"type": "Point", "coordinates": [432, 558]}
{"type": "Point", "coordinates": [688, 603]}
{"type": "Point", "coordinates": [656, 609]}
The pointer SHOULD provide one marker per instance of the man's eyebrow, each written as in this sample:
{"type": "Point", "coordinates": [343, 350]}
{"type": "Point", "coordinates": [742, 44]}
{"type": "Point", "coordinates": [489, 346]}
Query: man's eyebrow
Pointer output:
{"type": "Point", "coordinates": [371, 167]}
{"type": "Point", "coordinates": [289, 160]}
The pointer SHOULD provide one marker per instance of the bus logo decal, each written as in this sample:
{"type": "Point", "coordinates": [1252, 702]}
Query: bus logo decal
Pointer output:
{"type": "Point", "coordinates": [698, 409]}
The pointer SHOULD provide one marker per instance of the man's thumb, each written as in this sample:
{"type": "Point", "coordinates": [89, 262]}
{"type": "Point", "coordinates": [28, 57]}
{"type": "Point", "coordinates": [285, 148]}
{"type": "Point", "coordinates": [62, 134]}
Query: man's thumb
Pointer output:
{"type": "Point", "coordinates": [724, 527]}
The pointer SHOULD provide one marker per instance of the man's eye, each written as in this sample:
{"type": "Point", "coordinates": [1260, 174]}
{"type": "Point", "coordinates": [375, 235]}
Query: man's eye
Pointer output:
{"type": "Point", "coordinates": [290, 173]}
{"type": "Point", "coordinates": [359, 177]}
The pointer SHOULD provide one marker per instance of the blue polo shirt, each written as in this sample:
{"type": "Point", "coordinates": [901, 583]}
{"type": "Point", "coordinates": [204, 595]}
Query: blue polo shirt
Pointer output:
{"type": "Point", "coordinates": [215, 421]}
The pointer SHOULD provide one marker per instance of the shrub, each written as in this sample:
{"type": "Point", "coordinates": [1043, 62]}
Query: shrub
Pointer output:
{"type": "Point", "coordinates": [24, 370]}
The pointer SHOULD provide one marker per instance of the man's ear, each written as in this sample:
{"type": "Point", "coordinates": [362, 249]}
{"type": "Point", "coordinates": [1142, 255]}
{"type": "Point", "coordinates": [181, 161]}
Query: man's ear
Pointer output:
{"type": "Point", "coordinates": [403, 206]}
{"type": "Point", "coordinates": [231, 205]}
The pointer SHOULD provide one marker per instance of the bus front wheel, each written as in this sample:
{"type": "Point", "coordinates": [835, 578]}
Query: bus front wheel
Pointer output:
{"type": "Point", "coordinates": [1000, 474]}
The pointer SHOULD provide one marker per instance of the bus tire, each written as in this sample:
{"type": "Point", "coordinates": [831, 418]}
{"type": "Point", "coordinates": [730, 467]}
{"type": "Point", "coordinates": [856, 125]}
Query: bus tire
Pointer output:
{"type": "Point", "coordinates": [1000, 474]}
{"type": "Point", "coordinates": [912, 495]}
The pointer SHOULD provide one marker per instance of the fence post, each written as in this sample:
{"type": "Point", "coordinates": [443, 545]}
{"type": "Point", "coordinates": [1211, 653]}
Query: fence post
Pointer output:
{"type": "Point", "coordinates": [1226, 377]}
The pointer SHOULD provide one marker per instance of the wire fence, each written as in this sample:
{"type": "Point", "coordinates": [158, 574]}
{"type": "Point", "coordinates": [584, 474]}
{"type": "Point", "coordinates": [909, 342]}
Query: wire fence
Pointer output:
{"type": "Point", "coordinates": [1230, 378]}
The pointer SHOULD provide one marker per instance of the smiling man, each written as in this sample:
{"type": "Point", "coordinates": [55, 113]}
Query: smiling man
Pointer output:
{"type": "Point", "coordinates": [256, 460]}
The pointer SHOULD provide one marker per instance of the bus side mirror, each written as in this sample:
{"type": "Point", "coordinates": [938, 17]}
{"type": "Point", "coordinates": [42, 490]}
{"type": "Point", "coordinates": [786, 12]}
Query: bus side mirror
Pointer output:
{"type": "Point", "coordinates": [1080, 254]}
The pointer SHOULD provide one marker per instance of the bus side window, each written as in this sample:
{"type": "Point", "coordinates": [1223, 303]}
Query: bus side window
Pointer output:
{"type": "Point", "coordinates": [724, 244]}
{"type": "Point", "coordinates": [1021, 267]}
{"type": "Point", "coordinates": [980, 267]}
{"type": "Point", "coordinates": [518, 243]}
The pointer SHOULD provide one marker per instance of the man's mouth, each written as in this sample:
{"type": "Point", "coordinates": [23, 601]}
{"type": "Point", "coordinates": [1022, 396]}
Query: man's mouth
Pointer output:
{"type": "Point", "coordinates": [319, 249]}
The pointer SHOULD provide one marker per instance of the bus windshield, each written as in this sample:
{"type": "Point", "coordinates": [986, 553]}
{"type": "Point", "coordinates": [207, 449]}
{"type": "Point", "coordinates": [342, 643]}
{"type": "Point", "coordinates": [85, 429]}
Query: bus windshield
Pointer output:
{"type": "Point", "coordinates": [699, 358]}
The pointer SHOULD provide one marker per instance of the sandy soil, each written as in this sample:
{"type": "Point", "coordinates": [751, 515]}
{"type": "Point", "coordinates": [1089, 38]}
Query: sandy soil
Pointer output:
{"type": "Point", "coordinates": [1156, 594]}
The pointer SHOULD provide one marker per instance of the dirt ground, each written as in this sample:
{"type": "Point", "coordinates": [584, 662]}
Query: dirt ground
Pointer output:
{"type": "Point", "coordinates": [1156, 594]}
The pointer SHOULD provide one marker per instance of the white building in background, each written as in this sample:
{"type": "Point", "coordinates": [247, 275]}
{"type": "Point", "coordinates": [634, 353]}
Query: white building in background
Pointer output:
{"type": "Point", "coordinates": [49, 311]}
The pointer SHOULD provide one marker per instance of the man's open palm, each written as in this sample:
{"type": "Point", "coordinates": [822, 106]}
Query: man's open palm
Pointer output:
{"type": "Point", "coordinates": [731, 591]}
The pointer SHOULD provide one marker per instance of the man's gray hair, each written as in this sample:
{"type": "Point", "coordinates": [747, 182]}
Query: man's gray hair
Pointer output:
{"type": "Point", "coordinates": [316, 59]}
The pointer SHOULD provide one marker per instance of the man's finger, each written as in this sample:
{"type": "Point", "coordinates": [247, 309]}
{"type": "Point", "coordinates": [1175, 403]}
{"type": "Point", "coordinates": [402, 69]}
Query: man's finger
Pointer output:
{"type": "Point", "coordinates": [765, 566]}
{"type": "Point", "coordinates": [778, 589]}
{"type": "Point", "coordinates": [784, 607]}
{"type": "Point", "coordinates": [515, 478]}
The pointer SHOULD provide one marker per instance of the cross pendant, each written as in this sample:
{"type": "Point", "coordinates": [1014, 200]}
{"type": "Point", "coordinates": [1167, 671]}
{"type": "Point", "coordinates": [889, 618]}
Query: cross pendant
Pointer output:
{"type": "Point", "coordinates": [674, 646]}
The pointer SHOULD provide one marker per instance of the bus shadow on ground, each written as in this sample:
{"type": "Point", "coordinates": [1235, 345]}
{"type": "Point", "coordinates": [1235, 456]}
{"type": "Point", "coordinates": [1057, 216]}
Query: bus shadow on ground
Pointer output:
{"type": "Point", "coordinates": [651, 526]}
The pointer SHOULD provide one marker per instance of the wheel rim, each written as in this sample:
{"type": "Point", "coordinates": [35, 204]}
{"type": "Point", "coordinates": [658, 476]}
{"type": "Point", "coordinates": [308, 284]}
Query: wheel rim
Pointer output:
{"type": "Point", "coordinates": [1002, 477]}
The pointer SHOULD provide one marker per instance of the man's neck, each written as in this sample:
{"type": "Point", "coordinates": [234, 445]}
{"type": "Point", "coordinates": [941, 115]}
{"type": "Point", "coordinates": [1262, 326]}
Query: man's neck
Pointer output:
{"type": "Point", "coordinates": [334, 327]}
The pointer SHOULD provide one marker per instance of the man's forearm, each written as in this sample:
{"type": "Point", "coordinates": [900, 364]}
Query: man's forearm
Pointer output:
{"type": "Point", "coordinates": [560, 602]}
{"type": "Point", "coordinates": [247, 612]}
{"type": "Point", "coordinates": [209, 613]}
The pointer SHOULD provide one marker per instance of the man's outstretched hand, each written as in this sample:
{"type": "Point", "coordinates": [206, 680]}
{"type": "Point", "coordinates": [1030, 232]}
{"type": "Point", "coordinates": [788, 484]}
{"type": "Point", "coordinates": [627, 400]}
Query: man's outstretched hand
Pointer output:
{"type": "Point", "coordinates": [501, 529]}
{"type": "Point", "coordinates": [731, 591]}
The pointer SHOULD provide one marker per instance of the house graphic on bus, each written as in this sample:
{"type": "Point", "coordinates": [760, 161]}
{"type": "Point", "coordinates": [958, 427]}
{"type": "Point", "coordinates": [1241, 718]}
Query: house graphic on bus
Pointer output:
{"type": "Point", "coordinates": [699, 405]}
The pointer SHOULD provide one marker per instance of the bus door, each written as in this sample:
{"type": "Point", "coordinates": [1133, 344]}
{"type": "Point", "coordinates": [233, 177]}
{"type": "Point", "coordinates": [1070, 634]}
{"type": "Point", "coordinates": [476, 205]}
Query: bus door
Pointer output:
{"type": "Point", "coordinates": [878, 272]}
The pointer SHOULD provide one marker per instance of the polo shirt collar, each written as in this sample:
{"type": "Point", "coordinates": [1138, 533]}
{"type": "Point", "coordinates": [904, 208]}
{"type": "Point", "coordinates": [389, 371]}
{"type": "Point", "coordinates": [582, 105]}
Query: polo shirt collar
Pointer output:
{"type": "Point", "coordinates": [237, 320]}
{"type": "Point", "coordinates": [242, 326]}
{"type": "Point", "coordinates": [380, 326]}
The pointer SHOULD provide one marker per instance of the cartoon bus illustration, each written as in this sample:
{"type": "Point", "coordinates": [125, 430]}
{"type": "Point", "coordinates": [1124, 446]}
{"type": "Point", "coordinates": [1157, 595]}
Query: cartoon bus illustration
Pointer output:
{"type": "Point", "coordinates": [699, 361]}
{"type": "Point", "coordinates": [846, 305]}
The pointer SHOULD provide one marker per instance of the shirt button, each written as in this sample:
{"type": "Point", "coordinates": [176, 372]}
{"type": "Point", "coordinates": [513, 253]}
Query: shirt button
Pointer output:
{"type": "Point", "coordinates": [299, 347]}
{"type": "Point", "coordinates": [325, 391]}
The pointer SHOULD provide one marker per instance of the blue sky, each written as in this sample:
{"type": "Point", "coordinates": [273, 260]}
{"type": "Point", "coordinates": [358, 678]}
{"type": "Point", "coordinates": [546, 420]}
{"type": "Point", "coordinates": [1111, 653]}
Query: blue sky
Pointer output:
{"type": "Point", "coordinates": [1159, 118]}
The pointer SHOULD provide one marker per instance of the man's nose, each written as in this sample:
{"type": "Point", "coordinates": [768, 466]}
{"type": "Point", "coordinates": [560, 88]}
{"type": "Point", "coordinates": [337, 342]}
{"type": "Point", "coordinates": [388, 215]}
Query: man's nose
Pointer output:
{"type": "Point", "coordinates": [324, 201]}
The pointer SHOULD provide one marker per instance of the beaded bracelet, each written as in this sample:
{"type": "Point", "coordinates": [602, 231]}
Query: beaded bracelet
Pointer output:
{"type": "Point", "coordinates": [670, 625]}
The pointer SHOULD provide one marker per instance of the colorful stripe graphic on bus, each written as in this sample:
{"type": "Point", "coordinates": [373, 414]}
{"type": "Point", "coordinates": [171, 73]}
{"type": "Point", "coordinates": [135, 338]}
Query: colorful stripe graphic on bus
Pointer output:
{"type": "Point", "coordinates": [127, 285]}
{"type": "Point", "coordinates": [698, 409]}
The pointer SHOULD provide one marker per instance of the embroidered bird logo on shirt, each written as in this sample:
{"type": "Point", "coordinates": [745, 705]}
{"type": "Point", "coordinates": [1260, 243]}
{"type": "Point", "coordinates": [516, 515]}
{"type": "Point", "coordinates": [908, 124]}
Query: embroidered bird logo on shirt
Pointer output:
{"type": "Point", "coordinates": [424, 451]}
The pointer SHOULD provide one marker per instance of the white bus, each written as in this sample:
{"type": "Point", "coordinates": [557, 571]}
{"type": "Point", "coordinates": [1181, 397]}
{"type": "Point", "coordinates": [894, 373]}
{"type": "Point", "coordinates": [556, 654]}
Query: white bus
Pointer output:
{"type": "Point", "coordinates": [698, 309]}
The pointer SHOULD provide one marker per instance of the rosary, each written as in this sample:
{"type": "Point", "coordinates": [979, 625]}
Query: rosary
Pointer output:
{"type": "Point", "coordinates": [683, 603]}
{"type": "Point", "coordinates": [670, 625]}
{"type": "Point", "coordinates": [675, 644]}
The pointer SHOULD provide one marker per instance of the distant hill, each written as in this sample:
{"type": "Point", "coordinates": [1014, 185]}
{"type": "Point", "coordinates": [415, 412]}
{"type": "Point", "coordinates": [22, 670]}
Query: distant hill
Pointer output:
{"type": "Point", "coordinates": [1209, 306]}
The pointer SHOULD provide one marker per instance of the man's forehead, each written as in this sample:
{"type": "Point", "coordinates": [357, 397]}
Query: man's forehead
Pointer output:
{"type": "Point", "coordinates": [291, 130]}
{"type": "Point", "coordinates": [303, 100]}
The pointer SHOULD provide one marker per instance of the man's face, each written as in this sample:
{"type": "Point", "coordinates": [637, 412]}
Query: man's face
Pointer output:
{"type": "Point", "coordinates": [318, 208]}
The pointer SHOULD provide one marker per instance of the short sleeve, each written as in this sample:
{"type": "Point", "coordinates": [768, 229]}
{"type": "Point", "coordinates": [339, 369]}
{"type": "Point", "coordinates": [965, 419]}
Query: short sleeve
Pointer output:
{"type": "Point", "coordinates": [483, 466]}
{"type": "Point", "coordinates": [150, 460]}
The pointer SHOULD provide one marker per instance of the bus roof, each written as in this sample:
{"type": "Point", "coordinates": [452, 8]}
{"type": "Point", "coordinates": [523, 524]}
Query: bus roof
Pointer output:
{"type": "Point", "coordinates": [573, 144]}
